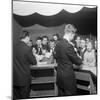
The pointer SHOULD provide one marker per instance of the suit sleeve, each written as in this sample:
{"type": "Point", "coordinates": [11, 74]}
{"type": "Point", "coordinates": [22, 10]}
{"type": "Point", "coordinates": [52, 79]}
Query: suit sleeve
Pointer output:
{"type": "Point", "coordinates": [73, 56]}
{"type": "Point", "coordinates": [31, 58]}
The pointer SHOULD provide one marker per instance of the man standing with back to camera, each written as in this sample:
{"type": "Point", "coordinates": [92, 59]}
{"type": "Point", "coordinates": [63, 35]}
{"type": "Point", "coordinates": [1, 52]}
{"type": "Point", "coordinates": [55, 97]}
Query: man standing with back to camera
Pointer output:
{"type": "Point", "coordinates": [65, 57]}
{"type": "Point", "coordinates": [22, 59]}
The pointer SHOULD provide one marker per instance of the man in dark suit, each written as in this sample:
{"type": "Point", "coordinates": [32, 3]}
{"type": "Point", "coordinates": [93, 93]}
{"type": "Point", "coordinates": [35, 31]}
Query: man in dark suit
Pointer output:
{"type": "Point", "coordinates": [65, 57]}
{"type": "Point", "coordinates": [22, 59]}
{"type": "Point", "coordinates": [38, 46]}
{"type": "Point", "coordinates": [45, 45]}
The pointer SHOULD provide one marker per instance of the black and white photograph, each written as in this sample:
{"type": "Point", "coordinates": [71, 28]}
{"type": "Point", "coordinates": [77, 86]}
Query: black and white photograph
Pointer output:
{"type": "Point", "coordinates": [55, 49]}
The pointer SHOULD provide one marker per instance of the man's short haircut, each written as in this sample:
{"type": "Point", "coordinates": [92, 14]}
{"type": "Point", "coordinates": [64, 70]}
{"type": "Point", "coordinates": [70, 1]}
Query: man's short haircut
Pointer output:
{"type": "Point", "coordinates": [38, 38]}
{"type": "Point", "coordinates": [45, 37]}
{"type": "Point", "coordinates": [24, 34]}
{"type": "Point", "coordinates": [70, 28]}
{"type": "Point", "coordinates": [56, 35]}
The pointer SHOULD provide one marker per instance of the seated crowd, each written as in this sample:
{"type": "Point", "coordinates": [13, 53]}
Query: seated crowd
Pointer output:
{"type": "Point", "coordinates": [44, 47]}
{"type": "Point", "coordinates": [87, 50]}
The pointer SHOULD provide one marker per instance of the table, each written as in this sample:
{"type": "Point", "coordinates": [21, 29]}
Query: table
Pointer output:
{"type": "Point", "coordinates": [43, 80]}
{"type": "Point", "coordinates": [86, 80]}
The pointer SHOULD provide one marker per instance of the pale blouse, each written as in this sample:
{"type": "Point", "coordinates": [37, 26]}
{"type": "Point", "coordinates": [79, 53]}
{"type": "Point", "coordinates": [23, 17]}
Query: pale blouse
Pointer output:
{"type": "Point", "coordinates": [89, 59]}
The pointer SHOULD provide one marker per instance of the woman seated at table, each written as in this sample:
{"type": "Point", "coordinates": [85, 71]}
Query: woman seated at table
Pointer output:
{"type": "Point", "coordinates": [44, 58]}
{"type": "Point", "coordinates": [89, 59]}
{"type": "Point", "coordinates": [38, 57]}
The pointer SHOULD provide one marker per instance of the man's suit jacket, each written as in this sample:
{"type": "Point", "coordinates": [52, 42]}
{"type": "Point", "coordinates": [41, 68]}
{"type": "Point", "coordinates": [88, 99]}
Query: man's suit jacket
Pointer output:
{"type": "Point", "coordinates": [66, 57]}
{"type": "Point", "coordinates": [22, 59]}
{"type": "Point", "coordinates": [82, 52]}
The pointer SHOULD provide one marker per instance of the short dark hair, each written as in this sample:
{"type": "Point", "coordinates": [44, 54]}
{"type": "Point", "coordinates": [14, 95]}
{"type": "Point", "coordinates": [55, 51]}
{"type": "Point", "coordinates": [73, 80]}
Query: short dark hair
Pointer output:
{"type": "Point", "coordinates": [45, 37]}
{"type": "Point", "coordinates": [24, 34]}
{"type": "Point", "coordinates": [38, 38]}
{"type": "Point", "coordinates": [56, 35]}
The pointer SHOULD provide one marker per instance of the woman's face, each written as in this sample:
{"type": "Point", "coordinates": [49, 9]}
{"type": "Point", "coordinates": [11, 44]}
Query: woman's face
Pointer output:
{"type": "Point", "coordinates": [89, 46]}
{"type": "Point", "coordinates": [38, 42]}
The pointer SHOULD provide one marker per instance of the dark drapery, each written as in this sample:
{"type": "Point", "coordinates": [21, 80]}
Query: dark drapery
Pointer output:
{"type": "Point", "coordinates": [85, 20]}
